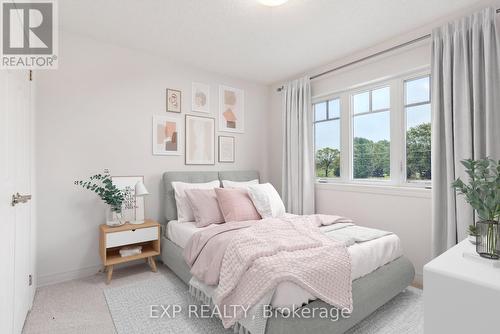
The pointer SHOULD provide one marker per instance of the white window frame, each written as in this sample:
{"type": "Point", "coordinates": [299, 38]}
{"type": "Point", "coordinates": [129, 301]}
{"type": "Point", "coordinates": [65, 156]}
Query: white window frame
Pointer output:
{"type": "Point", "coordinates": [397, 131]}
{"type": "Point", "coordinates": [417, 183]}
{"type": "Point", "coordinates": [351, 129]}
{"type": "Point", "coordinates": [339, 118]}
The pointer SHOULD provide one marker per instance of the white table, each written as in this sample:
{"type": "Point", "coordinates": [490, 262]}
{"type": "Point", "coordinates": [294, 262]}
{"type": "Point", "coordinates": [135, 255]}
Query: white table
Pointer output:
{"type": "Point", "coordinates": [461, 294]}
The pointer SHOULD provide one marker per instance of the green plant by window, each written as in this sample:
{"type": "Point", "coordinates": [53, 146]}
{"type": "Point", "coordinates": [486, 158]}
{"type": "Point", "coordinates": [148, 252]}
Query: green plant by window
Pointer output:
{"type": "Point", "coordinates": [483, 189]}
{"type": "Point", "coordinates": [483, 194]}
{"type": "Point", "coordinates": [103, 186]}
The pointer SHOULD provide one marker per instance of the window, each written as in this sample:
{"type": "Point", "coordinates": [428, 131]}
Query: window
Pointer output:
{"type": "Point", "coordinates": [418, 128]}
{"type": "Point", "coordinates": [371, 131]}
{"type": "Point", "coordinates": [327, 138]}
{"type": "Point", "coordinates": [377, 133]}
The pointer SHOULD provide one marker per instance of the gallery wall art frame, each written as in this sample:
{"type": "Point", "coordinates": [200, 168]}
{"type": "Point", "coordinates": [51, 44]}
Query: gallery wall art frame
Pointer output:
{"type": "Point", "coordinates": [167, 135]}
{"type": "Point", "coordinates": [231, 109]}
{"type": "Point", "coordinates": [226, 148]}
{"type": "Point", "coordinates": [200, 140]}
{"type": "Point", "coordinates": [133, 207]}
{"type": "Point", "coordinates": [174, 100]}
{"type": "Point", "coordinates": [200, 97]}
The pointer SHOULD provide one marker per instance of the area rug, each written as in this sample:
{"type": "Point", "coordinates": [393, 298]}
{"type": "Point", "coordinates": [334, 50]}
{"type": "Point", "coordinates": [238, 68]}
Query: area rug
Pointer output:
{"type": "Point", "coordinates": [137, 308]}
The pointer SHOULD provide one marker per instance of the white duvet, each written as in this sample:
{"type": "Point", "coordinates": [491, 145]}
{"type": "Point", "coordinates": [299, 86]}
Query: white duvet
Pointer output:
{"type": "Point", "coordinates": [366, 257]}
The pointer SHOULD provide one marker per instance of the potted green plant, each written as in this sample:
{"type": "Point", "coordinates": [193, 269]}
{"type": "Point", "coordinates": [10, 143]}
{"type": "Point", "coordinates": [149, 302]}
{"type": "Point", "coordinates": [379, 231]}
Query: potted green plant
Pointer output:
{"type": "Point", "coordinates": [483, 193]}
{"type": "Point", "coordinates": [103, 186]}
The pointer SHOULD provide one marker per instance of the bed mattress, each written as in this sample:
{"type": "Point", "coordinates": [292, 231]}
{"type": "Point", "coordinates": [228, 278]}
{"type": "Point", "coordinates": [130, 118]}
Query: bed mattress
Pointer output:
{"type": "Point", "coordinates": [366, 257]}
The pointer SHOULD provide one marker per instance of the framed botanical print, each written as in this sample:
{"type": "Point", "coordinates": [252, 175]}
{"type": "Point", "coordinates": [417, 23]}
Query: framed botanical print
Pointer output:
{"type": "Point", "coordinates": [200, 97]}
{"type": "Point", "coordinates": [226, 149]}
{"type": "Point", "coordinates": [200, 140]}
{"type": "Point", "coordinates": [167, 135]}
{"type": "Point", "coordinates": [132, 207]}
{"type": "Point", "coordinates": [231, 109]}
{"type": "Point", "coordinates": [174, 100]}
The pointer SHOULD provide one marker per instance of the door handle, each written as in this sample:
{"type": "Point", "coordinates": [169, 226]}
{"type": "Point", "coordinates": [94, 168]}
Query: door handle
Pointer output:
{"type": "Point", "coordinates": [18, 198]}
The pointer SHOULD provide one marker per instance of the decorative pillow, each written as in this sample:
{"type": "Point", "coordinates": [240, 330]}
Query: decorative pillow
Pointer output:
{"type": "Point", "coordinates": [205, 206]}
{"type": "Point", "coordinates": [267, 201]}
{"type": "Point", "coordinates": [234, 184]}
{"type": "Point", "coordinates": [184, 211]}
{"type": "Point", "coordinates": [236, 205]}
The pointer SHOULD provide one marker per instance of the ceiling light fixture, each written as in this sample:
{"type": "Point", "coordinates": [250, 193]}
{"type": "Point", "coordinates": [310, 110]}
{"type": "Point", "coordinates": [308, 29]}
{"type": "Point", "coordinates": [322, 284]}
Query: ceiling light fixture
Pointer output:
{"type": "Point", "coordinates": [272, 3]}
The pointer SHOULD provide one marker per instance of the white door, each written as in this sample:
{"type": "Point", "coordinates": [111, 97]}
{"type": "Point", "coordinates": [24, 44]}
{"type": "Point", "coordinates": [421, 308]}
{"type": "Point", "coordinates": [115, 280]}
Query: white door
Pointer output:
{"type": "Point", "coordinates": [15, 221]}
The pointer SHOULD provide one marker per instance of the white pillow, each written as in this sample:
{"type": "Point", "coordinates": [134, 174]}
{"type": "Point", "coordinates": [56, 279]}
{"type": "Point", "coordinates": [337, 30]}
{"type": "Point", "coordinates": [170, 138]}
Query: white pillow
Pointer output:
{"type": "Point", "coordinates": [267, 201]}
{"type": "Point", "coordinates": [184, 211]}
{"type": "Point", "coordinates": [237, 185]}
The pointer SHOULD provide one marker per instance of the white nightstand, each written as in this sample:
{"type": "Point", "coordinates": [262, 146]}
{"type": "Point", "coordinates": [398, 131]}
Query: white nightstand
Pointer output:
{"type": "Point", "coordinates": [113, 238]}
{"type": "Point", "coordinates": [461, 294]}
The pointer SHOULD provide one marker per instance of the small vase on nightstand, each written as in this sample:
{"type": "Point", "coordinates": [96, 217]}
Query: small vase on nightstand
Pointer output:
{"type": "Point", "coordinates": [114, 216]}
{"type": "Point", "coordinates": [488, 240]}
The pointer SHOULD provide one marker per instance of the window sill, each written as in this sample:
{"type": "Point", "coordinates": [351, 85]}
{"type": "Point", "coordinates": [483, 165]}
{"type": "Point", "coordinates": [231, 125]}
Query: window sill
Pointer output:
{"type": "Point", "coordinates": [417, 191]}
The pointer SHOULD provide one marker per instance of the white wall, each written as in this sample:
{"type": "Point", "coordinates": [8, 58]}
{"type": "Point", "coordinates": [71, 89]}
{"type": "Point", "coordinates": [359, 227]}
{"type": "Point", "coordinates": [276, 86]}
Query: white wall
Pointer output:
{"type": "Point", "coordinates": [407, 212]}
{"type": "Point", "coordinates": [95, 112]}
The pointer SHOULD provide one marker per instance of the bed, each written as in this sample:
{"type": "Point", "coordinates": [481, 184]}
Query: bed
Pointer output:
{"type": "Point", "coordinates": [371, 288]}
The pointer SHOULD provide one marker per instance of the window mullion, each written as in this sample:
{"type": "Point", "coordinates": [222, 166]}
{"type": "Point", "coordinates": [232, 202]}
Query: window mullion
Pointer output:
{"type": "Point", "coordinates": [345, 132]}
{"type": "Point", "coordinates": [370, 101]}
{"type": "Point", "coordinates": [327, 112]}
{"type": "Point", "coordinates": [397, 132]}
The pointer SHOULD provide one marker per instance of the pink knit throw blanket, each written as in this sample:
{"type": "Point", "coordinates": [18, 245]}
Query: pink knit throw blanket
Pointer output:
{"type": "Point", "coordinates": [277, 250]}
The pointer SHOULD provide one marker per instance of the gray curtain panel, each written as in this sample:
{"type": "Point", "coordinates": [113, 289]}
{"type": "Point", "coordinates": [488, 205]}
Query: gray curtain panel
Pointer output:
{"type": "Point", "coordinates": [466, 115]}
{"type": "Point", "coordinates": [298, 156]}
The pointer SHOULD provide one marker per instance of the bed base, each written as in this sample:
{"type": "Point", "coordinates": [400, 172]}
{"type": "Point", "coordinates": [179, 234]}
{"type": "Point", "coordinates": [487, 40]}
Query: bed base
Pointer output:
{"type": "Point", "coordinates": [369, 293]}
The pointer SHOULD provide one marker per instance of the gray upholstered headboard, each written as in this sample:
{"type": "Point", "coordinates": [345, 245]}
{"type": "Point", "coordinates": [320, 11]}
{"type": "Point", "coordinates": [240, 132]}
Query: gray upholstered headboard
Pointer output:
{"type": "Point", "coordinates": [197, 177]}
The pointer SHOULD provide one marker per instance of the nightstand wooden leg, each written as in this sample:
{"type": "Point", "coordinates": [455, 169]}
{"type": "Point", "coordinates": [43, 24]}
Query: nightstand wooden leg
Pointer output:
{"type": "Point", "coordinates": [110, 274]}
{"type": "Point", "coordinates": [152, 264]}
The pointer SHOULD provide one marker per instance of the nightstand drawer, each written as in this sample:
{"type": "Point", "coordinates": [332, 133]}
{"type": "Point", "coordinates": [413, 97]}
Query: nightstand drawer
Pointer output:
{"type": "Point", "coordinates": [131, 237]}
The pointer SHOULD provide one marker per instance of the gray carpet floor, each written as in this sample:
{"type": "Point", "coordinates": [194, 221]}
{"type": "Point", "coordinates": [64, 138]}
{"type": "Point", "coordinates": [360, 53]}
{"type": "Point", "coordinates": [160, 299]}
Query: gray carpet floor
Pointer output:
{"type": "Point", "coordinates": [404, 314]}
{"type": "Point", "coordinates": [80, 306]}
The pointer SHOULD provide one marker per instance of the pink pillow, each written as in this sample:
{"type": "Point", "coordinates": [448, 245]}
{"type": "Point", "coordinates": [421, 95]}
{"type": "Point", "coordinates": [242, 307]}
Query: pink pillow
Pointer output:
{"type": "Point", "coordinates": [205, 206]}
{"type": "Point", "coordinates": [236, 205]}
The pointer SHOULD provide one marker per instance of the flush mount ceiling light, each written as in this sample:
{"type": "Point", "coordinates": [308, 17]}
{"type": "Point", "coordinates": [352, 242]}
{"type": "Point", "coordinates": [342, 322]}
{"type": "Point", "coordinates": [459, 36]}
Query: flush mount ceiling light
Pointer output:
{"type": "Point", "coordinates": [272, 3]}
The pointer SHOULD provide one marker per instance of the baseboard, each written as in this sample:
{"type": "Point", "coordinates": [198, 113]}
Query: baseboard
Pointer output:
{"type": "Point", "coordinates": [68, 275]}
{"type": "Point", "coordinates": [77, 274]}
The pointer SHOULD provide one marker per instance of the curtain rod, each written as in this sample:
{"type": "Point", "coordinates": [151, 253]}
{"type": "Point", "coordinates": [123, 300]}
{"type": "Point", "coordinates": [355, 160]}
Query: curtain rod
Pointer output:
{"type": "Point", "coordinates": [376, 54]}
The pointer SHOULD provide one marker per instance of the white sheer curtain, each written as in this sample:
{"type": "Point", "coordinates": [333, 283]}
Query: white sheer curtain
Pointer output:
{"type": "Point", "coordinates": [298, 156]}
{"type": "Point", "coordinates": [466, 115]}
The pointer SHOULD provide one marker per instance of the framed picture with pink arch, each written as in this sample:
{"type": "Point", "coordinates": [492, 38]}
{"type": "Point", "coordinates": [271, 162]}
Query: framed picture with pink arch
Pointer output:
{"type": "Point", "coordinates": [167, 135]}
